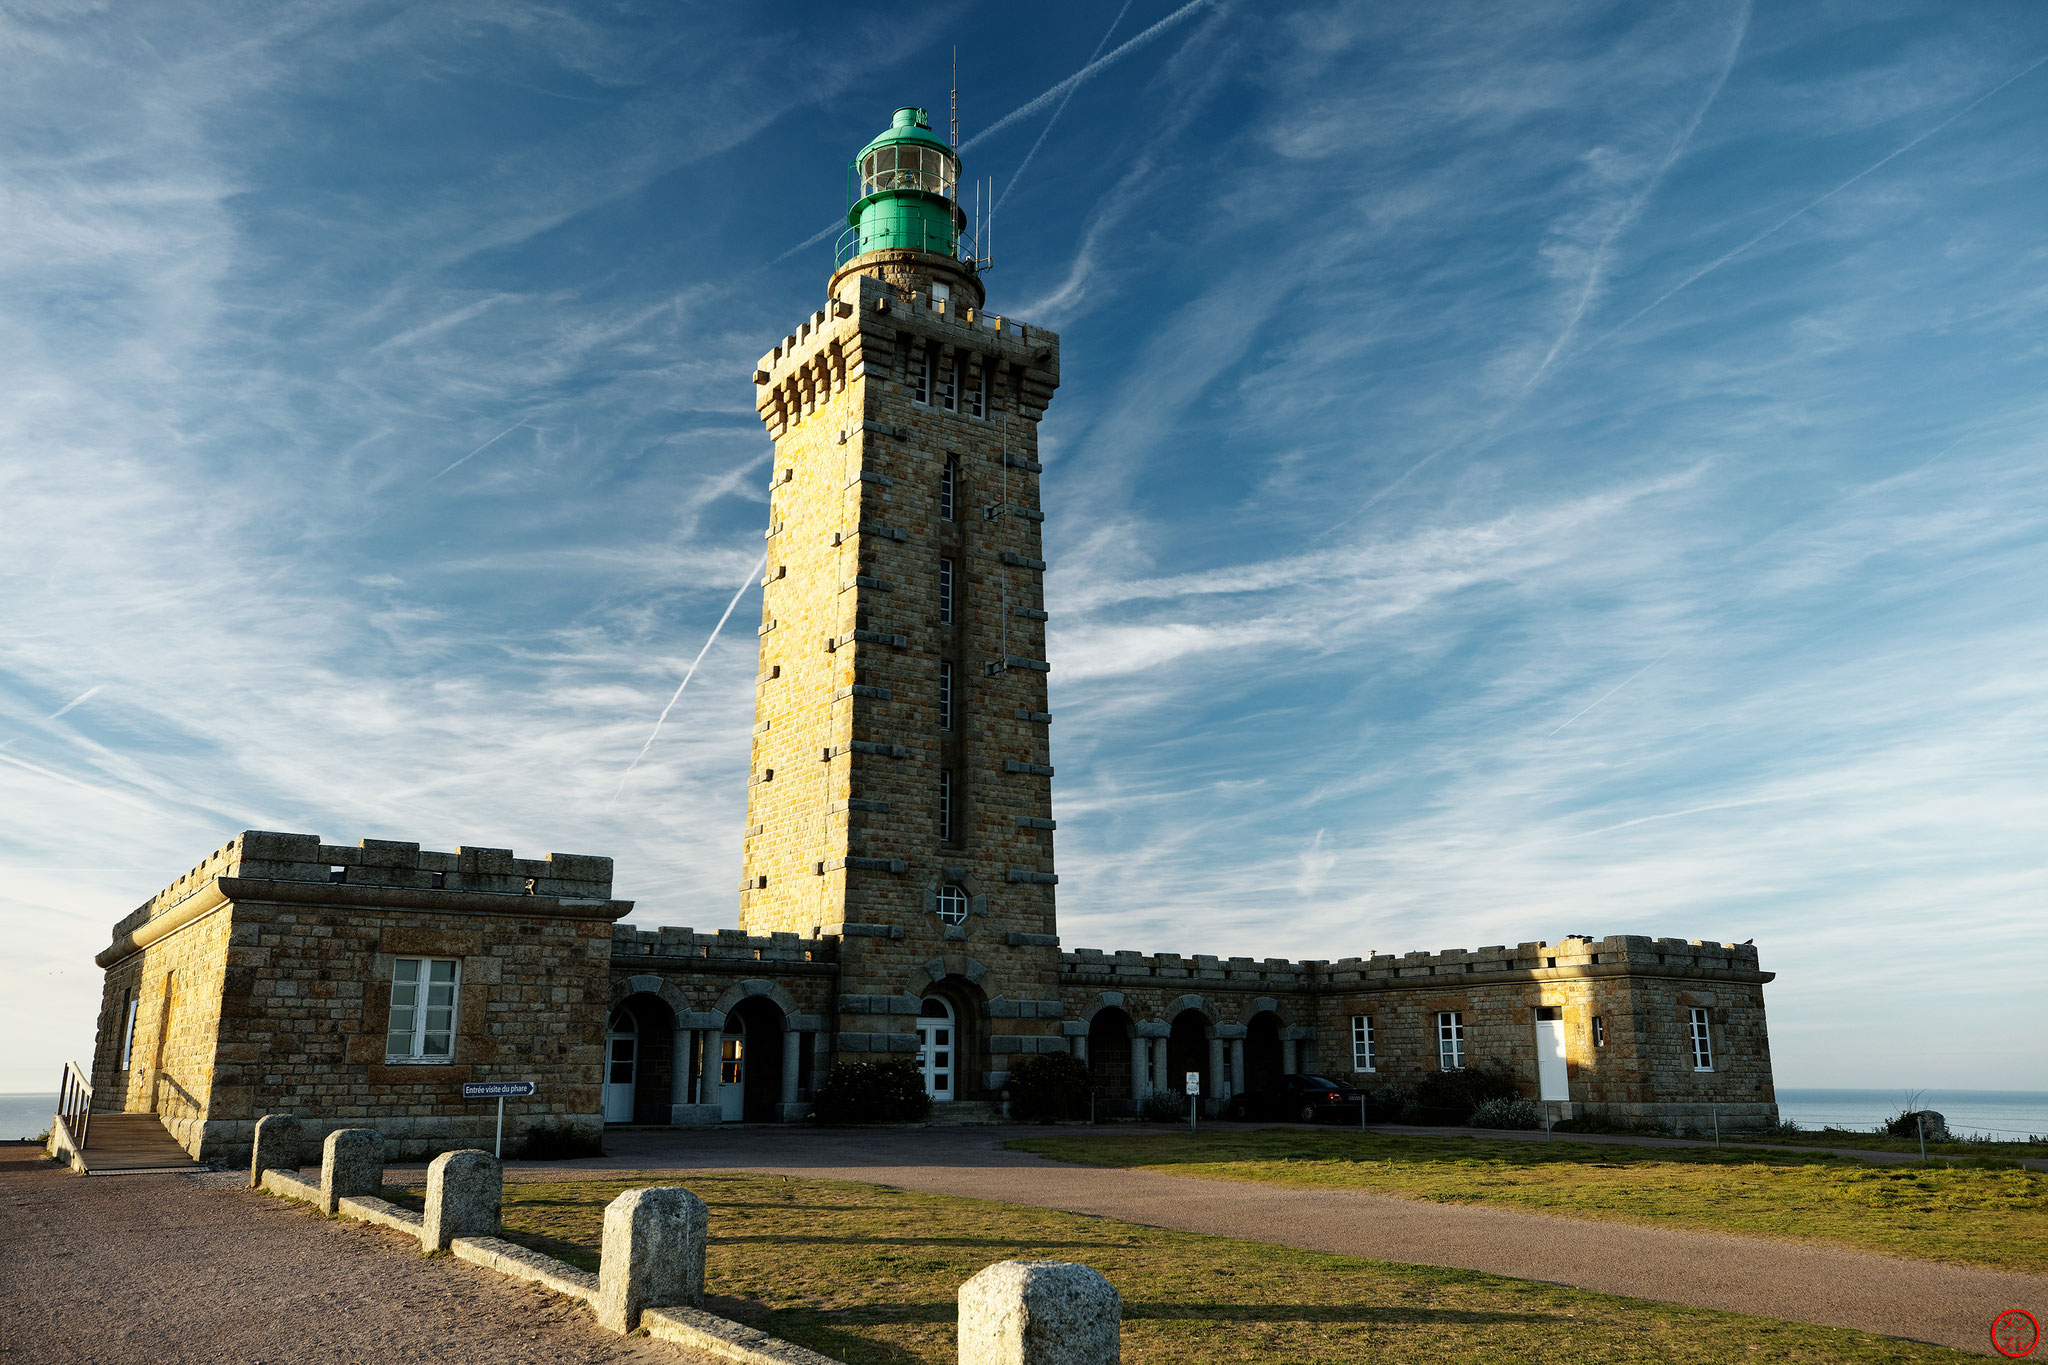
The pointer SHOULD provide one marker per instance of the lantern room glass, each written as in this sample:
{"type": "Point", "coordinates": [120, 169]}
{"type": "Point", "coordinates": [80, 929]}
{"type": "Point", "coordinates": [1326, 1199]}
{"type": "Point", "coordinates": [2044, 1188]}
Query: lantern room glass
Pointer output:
{"type": "Point", "coordinates": [908, 166]}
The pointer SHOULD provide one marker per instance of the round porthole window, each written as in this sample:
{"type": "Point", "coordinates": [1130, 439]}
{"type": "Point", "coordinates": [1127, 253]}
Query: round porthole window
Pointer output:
{"type": "Point", "coordinates": [952, 904]}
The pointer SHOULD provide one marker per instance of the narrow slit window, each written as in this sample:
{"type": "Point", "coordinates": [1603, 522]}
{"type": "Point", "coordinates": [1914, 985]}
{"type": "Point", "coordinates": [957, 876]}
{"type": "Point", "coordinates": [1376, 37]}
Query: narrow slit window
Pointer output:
{"type": "Point", "coordinates": [946, 694]}
{"type": "Point", "coordinates": [1361, 1043]}
{"type": "Point", "coordinates": [946, 806]}
{"type": "Point", "coordinates": [945, 591]}
{"type": "Point", "coordinates": [946, 385]}
{"type": "Point", "coordinates": [423, 997]}
{"type": "Point", "coordinates": [1599, 1030]}
{"type": "Point", "coordinates": [921, 380]}
{"type": "Point", "coordinates": [974, 392]}
{"type": "Point", "coordinates": [128, 1030]}
{"type": "Point", "coordinates": [1450, 1041]}
{"type": "Point", "coordinates": [1702, 1042]}
{"type": "Point", "coordinates": [949, 489]}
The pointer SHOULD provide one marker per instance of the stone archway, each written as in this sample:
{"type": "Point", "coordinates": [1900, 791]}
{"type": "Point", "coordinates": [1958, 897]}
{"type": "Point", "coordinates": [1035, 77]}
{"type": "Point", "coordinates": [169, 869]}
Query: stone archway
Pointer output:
{"type": "Point", "coordinates": [640, 1052]}
{"type": "Point", "coordinates": [1264, 1057]}
{"type": "Point", "coordinates": [1110, 1037]}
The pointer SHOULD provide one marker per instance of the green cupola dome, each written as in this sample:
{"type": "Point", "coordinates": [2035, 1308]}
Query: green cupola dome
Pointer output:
{"type": "Point", "coordinates": [907, 201]}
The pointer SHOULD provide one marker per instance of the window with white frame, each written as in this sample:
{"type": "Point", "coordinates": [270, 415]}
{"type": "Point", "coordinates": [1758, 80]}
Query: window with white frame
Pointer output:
{"type": "Point", "coordinates": [128, 1030]}
{"type": "Point", "coordinates": [422, 1025]}
{"type": "Point", "coordinates": [946, 806]}
{"type": "Point", "coordinates": [952, 904]}
{"type": "Point", "coordinates": [1599, 1030]}
{"type": "Point", "coordinates": [949, 489]}
{"type": "Point", "coordinates": [1361, 1043]}
{"type": "Point", "coordinates": [921, 380]}
{"type": "Point", "coordinates": [1702, 1042]}
{"type": "Point", "coordinates": [940, 384]}
{"type": "Point", "coordinates": [1450, 1040]}
{"type": "Point", "coordinates": [945, 694]}
{"type": "Point", "coordinates": [945, 591]}
{"type": "Point", "coordinates": [974, 392]}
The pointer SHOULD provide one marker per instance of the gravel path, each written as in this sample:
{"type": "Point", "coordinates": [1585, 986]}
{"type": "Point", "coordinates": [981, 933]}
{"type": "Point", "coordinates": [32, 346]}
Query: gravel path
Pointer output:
{"type": "Point", "coordinates": [1804, 1282]}
{"type": "Point", "coordinates": [164, 1268]}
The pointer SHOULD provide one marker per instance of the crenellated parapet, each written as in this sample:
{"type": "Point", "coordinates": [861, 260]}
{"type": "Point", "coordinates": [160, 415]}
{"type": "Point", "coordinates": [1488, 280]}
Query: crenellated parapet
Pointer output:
{"type": "Point", "coordinates": [877, 330]}
{"type": "Point", "coordinates": [1574, 955]}
{"type": "Point", "coordinates": [670, 945]}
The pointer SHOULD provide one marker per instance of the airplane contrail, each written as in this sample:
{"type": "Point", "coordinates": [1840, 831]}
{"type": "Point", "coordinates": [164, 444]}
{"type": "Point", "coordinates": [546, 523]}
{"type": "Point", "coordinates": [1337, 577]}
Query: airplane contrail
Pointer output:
{"type": "Point", "coordinates": [82, 696]}
{"type": "Point", "coordinates": [688, 673]}
{"type": "Point", "coordinates": [485, 446]}
{"type": "Point", "coordinates": [1018, 174]}
{"type": "Point", "coordinates": [1032, 106]}
{"type": "Point", "coordinates": [1617, 687]}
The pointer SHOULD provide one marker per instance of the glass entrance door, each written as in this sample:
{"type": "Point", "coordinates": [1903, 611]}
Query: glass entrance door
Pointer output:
{"type": "Point", "coordinates": [935, 1048]}
{"type": "Point", "coordinates": [621, 1064]}
{"type": "Point", "coordinates": [732, 1073]}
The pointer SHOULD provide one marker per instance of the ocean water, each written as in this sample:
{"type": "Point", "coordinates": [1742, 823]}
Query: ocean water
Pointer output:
{"type": "Point", "coordinates": [25, 1116]}
{"type": "Point", "coordinates": [2007, 1115]}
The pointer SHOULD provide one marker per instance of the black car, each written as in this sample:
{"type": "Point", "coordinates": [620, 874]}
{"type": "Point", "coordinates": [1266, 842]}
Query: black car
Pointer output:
{"type": "Point", "coordinates": [1297, 1099]}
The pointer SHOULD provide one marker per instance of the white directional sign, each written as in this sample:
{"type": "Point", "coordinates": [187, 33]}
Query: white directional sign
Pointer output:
{"type": "Point", "coordinates": [1194, 1082]}
{"type": "Point", "coordinates": [495, 1090]}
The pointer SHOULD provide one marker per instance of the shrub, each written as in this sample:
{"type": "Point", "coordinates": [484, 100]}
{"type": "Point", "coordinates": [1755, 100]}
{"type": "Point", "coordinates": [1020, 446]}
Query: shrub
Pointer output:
{"type": "Point", "coordinates": [1465, 1090]}
{"type": "Point", "coordinates": [557, 1141]}
{"type": "Point", "coordinates": [1163, 1106]}
{"type": "Point", "coordinates": [1506, 1113]}
{"type": "Point", "coordinates": [874, 1092]}
{"type": "Point", "coordinates": [1047, 1087]}
{"type": "Point", "coordinates": [1387, 1101]}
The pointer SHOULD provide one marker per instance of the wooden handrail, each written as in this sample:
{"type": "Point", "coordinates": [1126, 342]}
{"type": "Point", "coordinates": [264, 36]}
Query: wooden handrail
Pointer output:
{"type": "Point", "coordinates": [74, 1103]}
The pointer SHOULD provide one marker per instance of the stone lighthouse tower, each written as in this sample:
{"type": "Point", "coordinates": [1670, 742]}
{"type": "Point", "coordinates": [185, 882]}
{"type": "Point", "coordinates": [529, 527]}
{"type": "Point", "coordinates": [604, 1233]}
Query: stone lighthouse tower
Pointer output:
{"type": "Point", "coordinates": [900, 790]}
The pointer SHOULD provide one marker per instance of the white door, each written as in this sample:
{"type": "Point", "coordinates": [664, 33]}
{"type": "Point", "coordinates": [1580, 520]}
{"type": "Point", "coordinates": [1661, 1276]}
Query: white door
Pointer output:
{"type": "Point", "coordinates": [935, 1048]}
{"type": "Point", "coordinates": [1551, 1075]}
{"type": "Point", "coordinates": [732, 1073]}
{"type": "Point", "coordinates": [621, 1058]}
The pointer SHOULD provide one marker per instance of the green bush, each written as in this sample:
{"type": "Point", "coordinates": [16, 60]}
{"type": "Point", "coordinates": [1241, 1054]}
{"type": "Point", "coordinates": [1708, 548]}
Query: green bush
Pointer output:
{"type": "Point", "coordinates": [557, 1141]}
{"type": "Point", "coordinates": [1047, 1087]}
{"type": "Point", "coordinates": [873, 1092]}
{"type": "Point", "coordinates": [1505, 1113]}
{"type": "Point", "coordinates": [1163, 1106]}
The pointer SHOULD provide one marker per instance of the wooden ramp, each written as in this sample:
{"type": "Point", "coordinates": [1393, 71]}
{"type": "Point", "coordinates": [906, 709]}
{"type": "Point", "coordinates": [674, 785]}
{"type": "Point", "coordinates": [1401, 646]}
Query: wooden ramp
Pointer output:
{"type": "Point", "coordinates": [132, 1144]}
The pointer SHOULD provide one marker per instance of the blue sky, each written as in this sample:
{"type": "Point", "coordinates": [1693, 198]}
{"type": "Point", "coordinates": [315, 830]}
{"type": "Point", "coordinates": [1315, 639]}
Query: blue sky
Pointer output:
{"type": "Point", "coordinates": [1521, 470]}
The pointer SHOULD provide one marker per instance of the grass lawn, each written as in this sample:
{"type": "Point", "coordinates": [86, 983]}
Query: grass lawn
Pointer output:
{"type": "Point", "coordinates": [1964, 1214]}
{"type": "Point", "coordinates": [1884, 1142]}
{"type": "Point", "coordinates": [868, 1275]}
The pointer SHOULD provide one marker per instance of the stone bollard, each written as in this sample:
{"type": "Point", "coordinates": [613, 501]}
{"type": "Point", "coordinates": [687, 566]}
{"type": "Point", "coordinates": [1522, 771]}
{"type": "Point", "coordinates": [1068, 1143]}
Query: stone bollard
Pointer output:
{"type": "Point", "coordinates": [653, 1255]}
{"type": "Point", "coordinates": [351, 1163]}
{"type": "Point", "coordinates": [464, 1193]}
{"type": "Point", "coordinates": [1040, 1313]}
{"type": "Point", "coordinates": [278, 1147]}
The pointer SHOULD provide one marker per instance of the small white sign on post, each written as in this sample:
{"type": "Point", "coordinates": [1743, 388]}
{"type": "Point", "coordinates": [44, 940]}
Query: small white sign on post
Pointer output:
{"type": "Point", "coordinates": [497, 1090]}
{"type": "Point", "coordinates": [1194, 1082]}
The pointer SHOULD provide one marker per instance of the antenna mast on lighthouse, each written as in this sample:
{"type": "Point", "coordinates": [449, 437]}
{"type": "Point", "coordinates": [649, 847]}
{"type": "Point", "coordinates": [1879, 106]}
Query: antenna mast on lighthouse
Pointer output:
{"type": "Point", "coordinates": [956, 99]}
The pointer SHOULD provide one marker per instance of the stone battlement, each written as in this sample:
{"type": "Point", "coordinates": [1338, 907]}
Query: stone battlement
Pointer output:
{"type": "Point", "coordinates": [1575, 953]}
{"type": "Point", "coordinates": [264, 855]}
{"type": "Point", "coordinates": [724, 945]}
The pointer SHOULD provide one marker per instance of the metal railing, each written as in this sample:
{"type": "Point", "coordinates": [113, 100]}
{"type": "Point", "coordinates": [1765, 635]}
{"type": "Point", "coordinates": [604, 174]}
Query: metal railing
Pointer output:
{"type": "Point", "coordinates": [74, 1105]}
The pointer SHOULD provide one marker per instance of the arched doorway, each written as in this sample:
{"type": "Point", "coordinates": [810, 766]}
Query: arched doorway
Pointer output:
{"type": "Point", "coordinates": [1109, 1062]}
{"type": "Point", "coordinates": [1264, 1058]}
{"type": "Point", "coordinates": [750, 1062]}
{"type": "Point", "coordinates": [1187, 1049]}
{"type": "Point", "coordinates": [936, 1051]}
{"type": "Point", "coordinates": [968, 1009]}
{"type": "Point", "coordinates": [621, 1065]}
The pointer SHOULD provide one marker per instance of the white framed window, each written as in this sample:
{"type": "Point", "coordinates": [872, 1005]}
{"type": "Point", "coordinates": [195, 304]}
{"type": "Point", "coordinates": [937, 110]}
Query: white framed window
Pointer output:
{"type": "Point", "coordinates": [921, 380]}
{"type": "Point", "coordinates": [128, 1030]}
{"type": "Point", "coordinates": [945, 694]}
{"type": "Point", "coordinates": [952, 904]}
{"type": "Point", "coordinates": [945, 591]}
{"type": "Point", "coordinates": [946, 806]}
{"type": "Point", "coordinates": [422, 1027]}
{"type": "Point", "coordinates": [1450, 1040]}
{"type": "Point", "coordinates": [949, 489]}
{"type": "Point", "coordinates": [974, 392]}
{"type": "Point", "coordinates": [945, 383]}
{"type": "Point", "coordinates": [1599, 1030]}
{"type": "Point", "coordinates": [1702, 1041]}
{"type": "Point", "coordinates": [1361, 1043]}
{"type": "Point", "coordinates": [935, 1047]}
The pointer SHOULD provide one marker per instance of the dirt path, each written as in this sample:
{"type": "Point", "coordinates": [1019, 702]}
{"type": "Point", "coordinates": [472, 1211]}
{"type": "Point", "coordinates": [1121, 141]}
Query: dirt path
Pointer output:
{"type": "Point", "coordinates": [196, 1268]}
{"type": "Point", "coordinates": [1805, 1282]}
